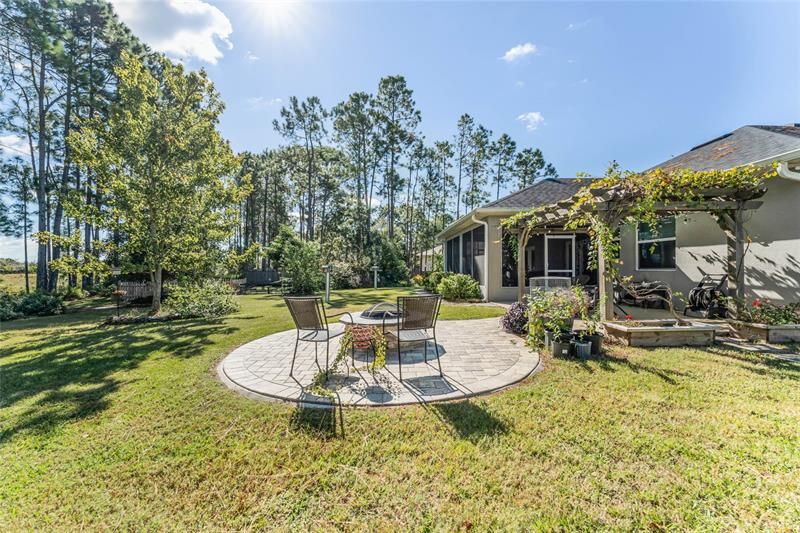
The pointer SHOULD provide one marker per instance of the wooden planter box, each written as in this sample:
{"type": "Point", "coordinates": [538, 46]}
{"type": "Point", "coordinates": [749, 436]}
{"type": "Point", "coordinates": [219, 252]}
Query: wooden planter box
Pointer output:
{"type": "Point", "coordinates": [660, 333]}
{"type": "Point", "coordinates": [777, 334]}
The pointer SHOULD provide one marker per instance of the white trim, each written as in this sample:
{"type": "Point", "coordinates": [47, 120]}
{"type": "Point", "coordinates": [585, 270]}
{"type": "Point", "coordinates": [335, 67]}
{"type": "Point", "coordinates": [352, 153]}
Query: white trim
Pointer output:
{"type": "Point", "coordinates": [785, 172]}
{"type": "Point", "coordinates": [660, 239]}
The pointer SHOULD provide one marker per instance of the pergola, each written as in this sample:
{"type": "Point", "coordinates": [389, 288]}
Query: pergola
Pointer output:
{"type": "Point", "coordinates": [615, 203]}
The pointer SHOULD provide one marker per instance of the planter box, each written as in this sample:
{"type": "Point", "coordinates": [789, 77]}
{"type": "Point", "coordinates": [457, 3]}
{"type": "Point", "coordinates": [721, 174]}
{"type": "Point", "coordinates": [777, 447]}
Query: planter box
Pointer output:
{"type": "Point", "coordinates": [660, 333]}
{"type": "Point", "coordinates": [778, 334]}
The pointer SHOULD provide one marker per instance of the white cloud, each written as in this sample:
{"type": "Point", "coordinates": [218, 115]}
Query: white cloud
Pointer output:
{"type": "Point", "coordinates": [250, 56]}
{"type": "Point", "coordinates": [572, 26]}
{"type": "Point", "coordinates": [12, 145]}
{"type": "Point", "coordinates": [518, 52]}
{"type": "Point", "coordinates": [14, 248]}
{"type": "Point", "coordinates": [261, 102]}
{"type": "Point", "coordinates": [179, 28]}
{"type": "Point", "coordinates": [532, 120]}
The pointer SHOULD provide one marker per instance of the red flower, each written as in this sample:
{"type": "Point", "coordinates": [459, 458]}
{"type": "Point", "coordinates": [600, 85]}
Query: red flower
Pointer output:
{"type": "Point", "coordinates": [628, 317]}
{"type": "Point", "coordinates": [757, 303]}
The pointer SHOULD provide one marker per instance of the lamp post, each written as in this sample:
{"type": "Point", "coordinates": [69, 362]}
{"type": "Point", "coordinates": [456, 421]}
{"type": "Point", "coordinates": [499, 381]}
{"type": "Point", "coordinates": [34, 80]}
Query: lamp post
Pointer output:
{"type": "Point", "coordinates": [375, 269]}
{"type": "Point", "coordinates": [327, 270]}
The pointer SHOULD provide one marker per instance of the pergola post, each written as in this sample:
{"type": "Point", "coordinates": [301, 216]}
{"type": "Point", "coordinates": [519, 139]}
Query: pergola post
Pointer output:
{"type": "Point", "coordinates": [735, 267]}
{"type": "Point", "coordinates": [605, 286]}
{"type": "Point", "coordinates": [522, 241]}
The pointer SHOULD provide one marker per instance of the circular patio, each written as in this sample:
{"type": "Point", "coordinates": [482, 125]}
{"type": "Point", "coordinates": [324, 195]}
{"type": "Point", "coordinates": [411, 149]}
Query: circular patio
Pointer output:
{"type": "Point", "coordinates": [477, 357]}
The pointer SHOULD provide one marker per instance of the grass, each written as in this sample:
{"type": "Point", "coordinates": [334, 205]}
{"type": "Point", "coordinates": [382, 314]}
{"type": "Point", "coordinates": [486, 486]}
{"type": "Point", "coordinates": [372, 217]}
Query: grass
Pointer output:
{"type": "Point", "coordinates": [127, 427]}
{"type": "Point", "coordinates": [15, 281]}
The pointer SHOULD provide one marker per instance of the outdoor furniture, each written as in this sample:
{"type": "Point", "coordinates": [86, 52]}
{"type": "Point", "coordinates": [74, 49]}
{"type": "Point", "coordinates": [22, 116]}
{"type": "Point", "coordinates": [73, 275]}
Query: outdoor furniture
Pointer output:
{"type": "Point", "coordinates": [312, 325]}
{"type": "Point", "coordinates": [418, 314]}
{"type": "Point", "coordinates": [642, 294]}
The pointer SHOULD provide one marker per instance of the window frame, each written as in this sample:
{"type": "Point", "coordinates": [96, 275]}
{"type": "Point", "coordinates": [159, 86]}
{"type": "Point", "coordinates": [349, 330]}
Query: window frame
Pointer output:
{"type": "Point", "coordinates": [674, 239]}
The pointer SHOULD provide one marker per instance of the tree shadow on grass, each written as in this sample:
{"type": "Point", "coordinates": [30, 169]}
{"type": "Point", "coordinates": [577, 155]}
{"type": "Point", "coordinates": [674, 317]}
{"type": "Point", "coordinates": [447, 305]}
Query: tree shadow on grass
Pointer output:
{"type": "Point", "coordinates": [469, 420]}
{"type": "Point", "coordinates": [75, 370]}
{"type": "Point", "coordinates": [761, 363]}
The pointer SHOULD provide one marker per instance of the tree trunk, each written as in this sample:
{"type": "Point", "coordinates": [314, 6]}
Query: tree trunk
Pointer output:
{"type": "Point", "coordinates": [41, 191]}
{"type": "Point", "coordinates": [155, 278]}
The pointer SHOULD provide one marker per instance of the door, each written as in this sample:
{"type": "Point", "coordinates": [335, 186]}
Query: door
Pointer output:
{"type": "Point", "coordinates": [559, 251]}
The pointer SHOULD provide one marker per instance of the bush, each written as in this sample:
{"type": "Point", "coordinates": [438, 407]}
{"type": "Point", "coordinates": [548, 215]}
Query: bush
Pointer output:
{"type": "Point", "coordinates": [388, 255]}
{"type": "Point", "coordinates": [765, 312]}
{"type": "Point", "coordinates": [434, 278]}
{"type": "Point", "coordinates": [73, 293]}
{"type": "Point", "coordinates": [418, 280]}
{"type": "Point", "coordinates": [459, 287]}
{"type": "Point", "coordinates": [206, 299]}
{"type": "Point", "coordinates": [347, 275]}
{"type": "Point", "coordinates": [516, 318]}
{"type": "Point", "coordinates": [40, 303]}
{"type": "Point", "coordinates": [301, 264]}
{"type": "Point", "coordinates": [555, 310]}
{"type": "Point", "coordinates": [8, 306]}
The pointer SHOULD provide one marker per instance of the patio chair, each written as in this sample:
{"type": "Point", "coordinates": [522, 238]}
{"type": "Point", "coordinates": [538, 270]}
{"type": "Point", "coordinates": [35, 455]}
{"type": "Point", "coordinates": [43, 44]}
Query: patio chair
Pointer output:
{"type": "Point", "coordinates": [418, 315]}
{"type": "Point", "coordinates": [312, 325]}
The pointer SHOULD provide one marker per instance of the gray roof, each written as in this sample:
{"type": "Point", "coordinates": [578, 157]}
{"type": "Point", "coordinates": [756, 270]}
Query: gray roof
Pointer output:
{"type": "Point", "coordinates": [543, 192]}
{"type": "Point", "coordinates": [743, 146]}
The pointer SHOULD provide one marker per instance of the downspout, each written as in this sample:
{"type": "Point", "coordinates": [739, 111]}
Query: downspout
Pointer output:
{"type": "Point", "coordinates": [784, 172]}
{"type": "Point", "coordinates": [485, 254]}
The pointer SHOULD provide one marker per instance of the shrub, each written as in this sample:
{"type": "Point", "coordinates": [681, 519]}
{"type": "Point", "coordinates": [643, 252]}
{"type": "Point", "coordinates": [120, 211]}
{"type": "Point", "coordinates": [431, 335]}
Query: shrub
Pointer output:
{"type": "Point", "coordinates": [765, 312]}
{"type": "Point", "coordinates": [40, 303]}
{"type": "Point", "coordinates": [554, 310]}
{"type": "Point", "coordinates": [73, 293]}
{"type": "Point", "coordinates": [302, 266]}
{"type": "Point", "coordinates": [8, 306]}
{"type": "Point", "coordinates": [516, 318]}
{"type": "Point", "coordinates": [434, 278]}
{"type": "Point", "coordinates": [459, 287]}
{"type": "Point", "coordinates": [388, 255]}
{"type": "Point", "coordinates": [206, 299]}
{"type": "Point", "coordinates": [418, 280]}
{"type": "Point", "coordinates": [347, 275]}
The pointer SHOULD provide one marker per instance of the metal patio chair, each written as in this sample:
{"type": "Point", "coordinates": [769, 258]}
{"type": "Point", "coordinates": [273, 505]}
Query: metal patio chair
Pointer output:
{"type": "Point", "coordinates": [418, 315]}
{"type": "Point", "coordinates": [312, 325]}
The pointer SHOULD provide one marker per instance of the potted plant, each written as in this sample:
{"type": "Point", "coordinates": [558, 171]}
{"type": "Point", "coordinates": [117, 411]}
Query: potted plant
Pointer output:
{"type": "Point", "coordinates": [582, 347]}
{"type": "Point", "coordinates": [560, 343]}
{"type": "Point", "coordinates": [592, 327]}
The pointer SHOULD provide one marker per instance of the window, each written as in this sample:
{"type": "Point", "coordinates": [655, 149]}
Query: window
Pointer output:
{"type": "Point", "coordinates": [466, 253]}
{"type": "Point", "coordinates": [453, 255]}
{"type": "Point", "coordinates": [655, 246]}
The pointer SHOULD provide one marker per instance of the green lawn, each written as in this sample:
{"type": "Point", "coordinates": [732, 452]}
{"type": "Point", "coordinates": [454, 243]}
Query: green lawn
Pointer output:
{"type": "Point", "coordinates": [128, 427]}
{"type": "Point", "coordinates": [15, 281]}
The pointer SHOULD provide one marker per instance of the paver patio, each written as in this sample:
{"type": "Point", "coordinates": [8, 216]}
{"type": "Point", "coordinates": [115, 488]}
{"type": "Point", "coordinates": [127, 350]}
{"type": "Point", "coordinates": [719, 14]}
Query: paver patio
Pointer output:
{"type": "Point", "coordinates": [477, 357]}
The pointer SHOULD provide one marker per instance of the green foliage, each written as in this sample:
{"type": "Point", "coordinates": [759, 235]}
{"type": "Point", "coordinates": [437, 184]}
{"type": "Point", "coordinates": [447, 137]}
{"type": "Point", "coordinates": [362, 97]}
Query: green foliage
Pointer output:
{"type": "Point", "coordinates": [302, 265]}
{"type": "Point", "coordinates": [73, 293]}
{"type": "Point", "coordinates": [434, 278]}
{"type": "Point", "coordinates": [164, 170]}
{"type": "Point", "coordinates": [418, 280]}
{"type": "Point", "coordinates": [348, 275]}
{"type": "Point", "coordinates": [207, 299]}
{"type": "Point", "coordinates": [40, 303]}
{"type": "Point", "coordinates": [554, 310]}
{"type": "Point", "coordinates": [762, 311]}
{"type": "Point", "coordinates": [459, 287]}
{"type": "Point", "coordinates": [282, 245]}
{"type": "Point", "coordinates": [516, 318]}
{"type": "Point", "coordinates": [388, 255]}
{"type": "Point", "coordinates": [8, 305]}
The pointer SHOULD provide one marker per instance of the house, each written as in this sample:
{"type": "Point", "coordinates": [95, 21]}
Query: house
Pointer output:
{"type": "Point", "coordinates": [685, 248]}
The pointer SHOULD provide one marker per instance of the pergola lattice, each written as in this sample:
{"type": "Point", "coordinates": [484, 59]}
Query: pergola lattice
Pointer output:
{"type": "Point", "coordinates": [615, 203]}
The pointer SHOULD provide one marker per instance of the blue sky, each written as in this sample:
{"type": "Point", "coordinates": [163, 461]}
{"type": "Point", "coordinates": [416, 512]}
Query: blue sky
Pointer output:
{"type": "Point", "coordinates": [633, 82]}
{"type": "Point", "coordinates": [636, 82]}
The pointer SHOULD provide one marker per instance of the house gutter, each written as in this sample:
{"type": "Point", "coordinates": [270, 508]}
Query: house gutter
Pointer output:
{"type": "Point", "coordinates": [485, 253]}
{"type": "Point", "coordinates": [785, 172]}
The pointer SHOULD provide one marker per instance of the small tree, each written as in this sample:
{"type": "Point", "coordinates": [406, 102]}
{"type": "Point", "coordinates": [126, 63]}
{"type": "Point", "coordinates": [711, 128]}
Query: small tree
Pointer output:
{"type": "Point", "coordinates": [164, 169]}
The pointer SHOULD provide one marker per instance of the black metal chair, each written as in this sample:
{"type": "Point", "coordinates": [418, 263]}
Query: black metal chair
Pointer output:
{"type": "Point", "coordinates": [417, 315]}
{"type": "Point", "coordinates": [312, 325]}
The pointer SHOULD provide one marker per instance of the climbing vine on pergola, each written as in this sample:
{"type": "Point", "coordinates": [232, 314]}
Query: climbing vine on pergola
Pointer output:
{"type": "Point", "coordinates": [628, 197]}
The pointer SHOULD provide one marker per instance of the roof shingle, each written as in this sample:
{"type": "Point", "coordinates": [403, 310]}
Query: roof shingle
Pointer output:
{"type": "Point", "coordinates": [544, 192]}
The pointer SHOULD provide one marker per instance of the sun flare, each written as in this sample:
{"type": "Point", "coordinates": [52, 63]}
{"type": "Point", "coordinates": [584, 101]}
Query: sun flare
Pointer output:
{"type": "Point", "coordinates": [278, 17]}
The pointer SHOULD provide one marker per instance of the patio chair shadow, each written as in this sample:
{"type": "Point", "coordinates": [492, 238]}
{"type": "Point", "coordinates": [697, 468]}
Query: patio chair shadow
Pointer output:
{"type": "Point", "coordinates": [469, 420]}
{"type": "Point", "coordinates": [430, 386]}
{"type": "Point", "coordinates": [319, 422]}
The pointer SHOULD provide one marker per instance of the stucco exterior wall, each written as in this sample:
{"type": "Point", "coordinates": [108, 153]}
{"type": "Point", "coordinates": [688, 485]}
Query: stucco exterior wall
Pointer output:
{"type": "Point", "coordinates": [772, 263]}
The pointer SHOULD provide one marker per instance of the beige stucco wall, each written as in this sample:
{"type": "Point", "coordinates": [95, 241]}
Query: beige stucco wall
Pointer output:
{"type": "Point", "coordinates": [772, 263]}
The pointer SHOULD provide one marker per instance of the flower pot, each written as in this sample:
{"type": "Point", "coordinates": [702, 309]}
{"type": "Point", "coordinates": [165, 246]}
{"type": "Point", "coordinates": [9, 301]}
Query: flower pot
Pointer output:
{"type": "Point", "coordinates": [582, 348]}
{"type": "Point", "coordinates": [597, 343]}
{"type": "Point", "coordinates": [561, 347]}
